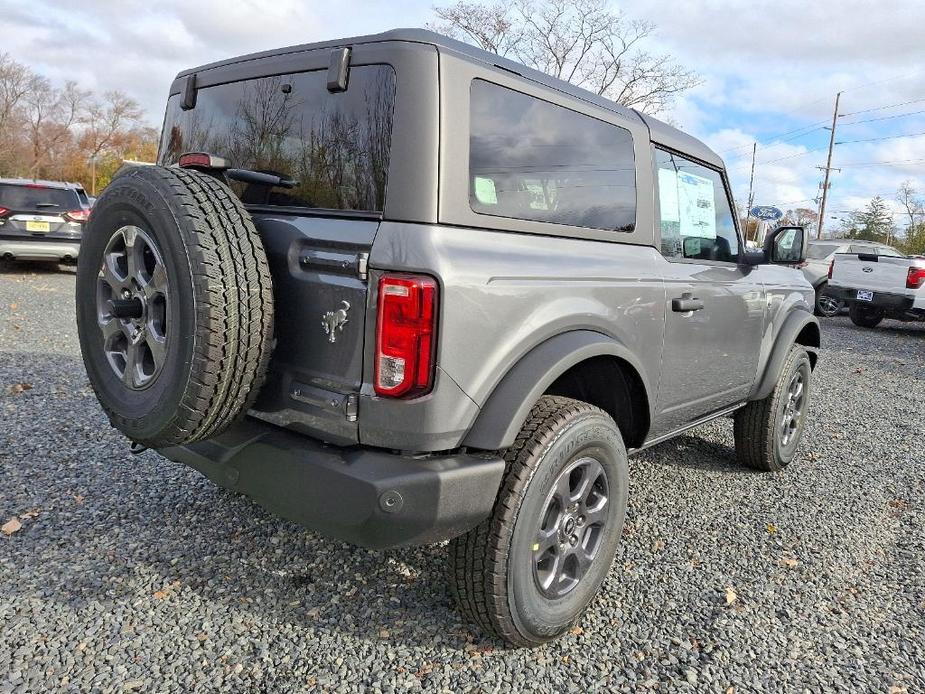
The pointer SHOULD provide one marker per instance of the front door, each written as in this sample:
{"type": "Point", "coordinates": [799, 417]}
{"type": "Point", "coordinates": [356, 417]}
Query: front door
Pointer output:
{"type": "Point", "coordinates": [716, 306]}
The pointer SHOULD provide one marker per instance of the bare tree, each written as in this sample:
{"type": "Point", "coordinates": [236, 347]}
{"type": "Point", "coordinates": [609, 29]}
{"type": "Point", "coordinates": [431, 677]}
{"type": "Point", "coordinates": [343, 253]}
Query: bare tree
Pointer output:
{"type": "Point", "coordinates": [52, 114]}
{"type": "Point", "coordinates": [17, 82]}
{"type": "Point", "coordinates": [913, 205]}
{"type": "Point", "coordinates": [582, 41]}
{"type": "Point", "coordinates": [105, 119]}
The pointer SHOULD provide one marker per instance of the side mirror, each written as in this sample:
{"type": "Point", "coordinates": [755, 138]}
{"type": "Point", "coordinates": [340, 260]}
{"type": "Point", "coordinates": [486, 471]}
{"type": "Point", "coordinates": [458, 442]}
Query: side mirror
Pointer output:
{"type": "Point", "coordinates": [783, 246]}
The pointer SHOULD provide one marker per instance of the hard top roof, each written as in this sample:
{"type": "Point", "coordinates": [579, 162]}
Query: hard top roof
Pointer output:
{"type": "Point", "coordinates": [660, 132]}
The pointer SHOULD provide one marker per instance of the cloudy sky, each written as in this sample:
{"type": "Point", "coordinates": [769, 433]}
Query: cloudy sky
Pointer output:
{"type": "Point", "coordinates": [770, 71]}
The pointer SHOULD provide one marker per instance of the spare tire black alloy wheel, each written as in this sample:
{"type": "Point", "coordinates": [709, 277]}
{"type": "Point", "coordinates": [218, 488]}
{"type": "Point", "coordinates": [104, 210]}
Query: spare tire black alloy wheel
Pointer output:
{"type": "Point", "coordinates": [132, 301]}
{"type": "Point", "coordinates": [174, 306]}
{"type": "Point", "coordinates": [570, 528]}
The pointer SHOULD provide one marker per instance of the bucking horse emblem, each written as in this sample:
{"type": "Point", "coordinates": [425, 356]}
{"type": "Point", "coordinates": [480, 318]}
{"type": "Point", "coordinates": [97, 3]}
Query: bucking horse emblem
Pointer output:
{"type": "Point", "coordinates": [332, 321]}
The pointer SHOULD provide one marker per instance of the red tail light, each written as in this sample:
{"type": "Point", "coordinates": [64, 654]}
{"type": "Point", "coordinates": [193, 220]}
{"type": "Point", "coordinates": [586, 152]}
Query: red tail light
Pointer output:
{"type": "Point", "coordinates": [405, 335]}
{"type": "Point", "coordinates": [915, 278]}
{"type": "Point", "coordinates": [3, 211]}
{"type": "Point", "coordinates": [77, 215]}
{"type": "Point", "coordinates": [831, 267]}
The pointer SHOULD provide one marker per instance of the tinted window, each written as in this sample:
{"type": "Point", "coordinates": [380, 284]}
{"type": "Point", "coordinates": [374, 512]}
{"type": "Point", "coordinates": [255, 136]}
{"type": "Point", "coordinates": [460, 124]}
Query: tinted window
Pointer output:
{"type": "Point", "coordinates": [37, 198]}
{"type": "Point", "coordinates": [530, 159]}
{"type": "Point", "coordinates": [336, 145]}
{"type": "Point", "coordinates": [818, 251]}
{"type": "Point", "coordinates": [695, 217]}
{"type": "Point", "coordinates": [891, 252]}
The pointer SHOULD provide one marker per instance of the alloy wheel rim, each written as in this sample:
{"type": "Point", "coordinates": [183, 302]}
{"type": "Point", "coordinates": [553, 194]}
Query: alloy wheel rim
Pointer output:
{"type": "Point", "coordinates": [793, 408]}
{"type": "Point", "coordinates": [828, 305]}
{"type": "Point", "coordinates": [571, 527]}
{"type": "Point", "coordinates": [132, 302]}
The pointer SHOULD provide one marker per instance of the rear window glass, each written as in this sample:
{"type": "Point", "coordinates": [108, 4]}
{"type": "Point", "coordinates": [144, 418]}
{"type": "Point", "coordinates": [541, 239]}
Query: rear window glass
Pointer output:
{"type": "Point", "coordinates": [37, 198]}
{"type": "Point", "coordinates": [335, 145]}
{"type": "Point", "coordinates": [817, 251]}
{"type": "Point", "coordinates": [530, 159]}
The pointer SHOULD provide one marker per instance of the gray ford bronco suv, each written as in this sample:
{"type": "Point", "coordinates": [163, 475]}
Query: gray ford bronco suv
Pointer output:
{"type": "Point", "coordinates": [401, 291]}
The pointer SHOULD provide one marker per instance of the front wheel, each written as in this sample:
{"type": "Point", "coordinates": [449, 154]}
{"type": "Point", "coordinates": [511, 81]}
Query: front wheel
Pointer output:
{"type": "Point", "coordinates": [527, 572]}
{"type": "Point", "coordinates": [767, 432]}
{"type": "Point", "coordinates": [865, 316]}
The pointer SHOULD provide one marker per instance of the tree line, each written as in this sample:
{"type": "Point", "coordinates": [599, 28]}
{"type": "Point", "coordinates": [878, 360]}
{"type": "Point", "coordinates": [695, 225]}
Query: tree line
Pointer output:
{"type": "Point", "coordinates": [877, 222]}
{"type": "Point", "coordinates": [67, 133]}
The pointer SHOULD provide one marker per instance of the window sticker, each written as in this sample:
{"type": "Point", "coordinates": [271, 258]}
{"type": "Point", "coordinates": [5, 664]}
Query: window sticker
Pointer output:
{"type": "Point", "coordinates": [697, 206]}
{"type": "Point", "coordinates": [485, 191]}
{"type": "Point", "coordinates": [668, 195]}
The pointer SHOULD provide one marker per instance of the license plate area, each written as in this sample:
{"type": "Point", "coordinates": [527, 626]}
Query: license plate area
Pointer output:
{"type": "Point", "coordinates": [38, 227]}
{"type": "Point", "coordinates": [865, 295]}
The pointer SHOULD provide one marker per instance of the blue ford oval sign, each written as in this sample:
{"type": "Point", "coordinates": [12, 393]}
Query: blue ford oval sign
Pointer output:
{"type": "Point", "coordinates": [767, 213]}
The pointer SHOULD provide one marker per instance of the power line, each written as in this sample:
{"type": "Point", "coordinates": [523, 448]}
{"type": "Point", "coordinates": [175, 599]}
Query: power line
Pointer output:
{"type": "Point", "coordinates": [878, 139]}
{"type": "Point", "coordinates": [883, 108]}
{"type": "Point", "coordinates": [872, 120]}
{"type": "Point", "coordinates": [887, 162]}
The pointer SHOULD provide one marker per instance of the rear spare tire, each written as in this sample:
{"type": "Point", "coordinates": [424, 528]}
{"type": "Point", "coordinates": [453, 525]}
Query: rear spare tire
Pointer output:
{"type": "Point", "coordinates": [174, 305]}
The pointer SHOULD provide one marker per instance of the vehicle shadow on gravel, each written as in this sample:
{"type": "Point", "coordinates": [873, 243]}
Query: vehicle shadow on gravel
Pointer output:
{"type": "Point", "coordinates": [696, 453]}
{"type": "Point", "coordinates": [139, 533]}
{"type": "Point", "coordinates": [35, 267]}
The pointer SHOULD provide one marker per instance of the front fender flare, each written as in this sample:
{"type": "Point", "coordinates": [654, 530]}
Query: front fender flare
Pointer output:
{"type": "Point", "coordinates": [507, 407]}
{"type": "Point", "coordinates": [793, 325]}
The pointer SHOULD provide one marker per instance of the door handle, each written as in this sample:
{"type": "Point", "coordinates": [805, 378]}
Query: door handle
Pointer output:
{"type": "Point", "coordinates": [686, 303]}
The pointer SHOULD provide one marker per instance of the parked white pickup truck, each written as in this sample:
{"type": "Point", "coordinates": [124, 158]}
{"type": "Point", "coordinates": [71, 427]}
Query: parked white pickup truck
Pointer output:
{"type": "Point", "coordinates": [878, 286]}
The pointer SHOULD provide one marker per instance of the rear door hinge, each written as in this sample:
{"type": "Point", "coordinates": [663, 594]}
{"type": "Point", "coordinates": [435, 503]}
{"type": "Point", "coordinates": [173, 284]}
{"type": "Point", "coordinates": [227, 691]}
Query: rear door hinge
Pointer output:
{"type": "Point", "coordinates": [362, 265]}
{"type": "Point", "coordinates": [352, 407]}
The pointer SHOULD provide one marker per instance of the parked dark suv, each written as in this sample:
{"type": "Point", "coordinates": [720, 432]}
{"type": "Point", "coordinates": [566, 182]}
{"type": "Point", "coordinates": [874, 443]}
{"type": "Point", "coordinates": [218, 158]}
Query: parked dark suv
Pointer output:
{"type": "Point", "coordinates": [402, 290]}
{"type": "Point", "coordinates": [41, 220]}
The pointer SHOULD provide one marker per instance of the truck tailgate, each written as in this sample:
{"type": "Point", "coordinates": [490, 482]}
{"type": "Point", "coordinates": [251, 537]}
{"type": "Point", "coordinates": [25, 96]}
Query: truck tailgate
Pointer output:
{"type": "Point", "coordinates": [877, 273]}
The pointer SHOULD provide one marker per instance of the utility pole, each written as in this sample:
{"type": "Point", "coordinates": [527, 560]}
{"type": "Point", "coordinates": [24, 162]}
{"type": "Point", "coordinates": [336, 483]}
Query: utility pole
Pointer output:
{"type": "Point", "coordinates": [751, 185]}
{"type": "Point", "coordinates": [828, 169]}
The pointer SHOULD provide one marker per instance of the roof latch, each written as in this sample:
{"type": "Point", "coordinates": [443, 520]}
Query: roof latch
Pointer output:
{"type": "Point", "coordinates": [189, 93]}
{"type": "Point", "coordinates": [338, 70]}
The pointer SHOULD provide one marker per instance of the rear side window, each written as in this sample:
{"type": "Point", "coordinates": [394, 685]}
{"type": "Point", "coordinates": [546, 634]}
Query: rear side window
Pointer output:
{"type": "Point", "coordinates": [818, 251]}
{"type": "Point", "coordinates": [335, 145]}
{"type": "Point", "coordinates": [530, 159]}
{"type": "Point", "coordinates": [695, 217]}
{"type": "Point", "coordinates": [37, 198]}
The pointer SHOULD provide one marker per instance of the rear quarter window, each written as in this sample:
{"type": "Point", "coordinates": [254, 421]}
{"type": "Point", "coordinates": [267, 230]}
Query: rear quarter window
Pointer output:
{"type": "Point", "coordinates": [533, 160]}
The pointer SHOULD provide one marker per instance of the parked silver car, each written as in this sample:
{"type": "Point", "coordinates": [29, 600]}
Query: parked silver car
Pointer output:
{"type": "Point", "coordinates": [819, 257]}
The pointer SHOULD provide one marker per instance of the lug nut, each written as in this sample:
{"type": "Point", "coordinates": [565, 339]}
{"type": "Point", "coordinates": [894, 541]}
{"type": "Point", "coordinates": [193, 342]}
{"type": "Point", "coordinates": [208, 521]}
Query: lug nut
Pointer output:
{"type": "Point", "coordinates": [574, 539]}
{"type": "Point", "coordinates": [581, 520]}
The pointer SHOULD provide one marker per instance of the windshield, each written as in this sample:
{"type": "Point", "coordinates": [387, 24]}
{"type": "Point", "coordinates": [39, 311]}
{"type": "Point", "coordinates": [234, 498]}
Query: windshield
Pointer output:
{"type": "Point", "coordinates": [35, 197]}
{"type": "Point", "coordinates": [335, 145]}
{"type": "Point", "coordinates": [817, 251]}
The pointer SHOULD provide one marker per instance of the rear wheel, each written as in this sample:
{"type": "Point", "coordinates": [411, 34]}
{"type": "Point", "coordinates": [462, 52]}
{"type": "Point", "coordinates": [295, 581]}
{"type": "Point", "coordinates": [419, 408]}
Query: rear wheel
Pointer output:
{"type": "Point", "coordinates": [826, 304]}
{"type": "Point", "coordinates": [865, 316]}
{"type": "Point", "coordinates": [527, 573]}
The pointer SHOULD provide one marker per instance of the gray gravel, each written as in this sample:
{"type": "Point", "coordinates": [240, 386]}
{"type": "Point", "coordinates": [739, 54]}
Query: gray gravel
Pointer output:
{"type": "Point", "coordinates": [137, 574]}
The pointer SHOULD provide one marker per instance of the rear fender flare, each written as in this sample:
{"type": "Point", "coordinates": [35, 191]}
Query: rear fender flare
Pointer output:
{"type": "Point", "coordinates": [506, 409]}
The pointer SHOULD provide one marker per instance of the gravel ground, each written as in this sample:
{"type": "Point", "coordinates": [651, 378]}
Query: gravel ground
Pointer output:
{"type": "Point", "coordinates": [132, 573]}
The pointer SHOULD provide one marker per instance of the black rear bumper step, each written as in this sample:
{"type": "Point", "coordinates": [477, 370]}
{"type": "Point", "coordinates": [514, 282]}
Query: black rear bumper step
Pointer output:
{"type": "Point", "coordinates": [368, 497]}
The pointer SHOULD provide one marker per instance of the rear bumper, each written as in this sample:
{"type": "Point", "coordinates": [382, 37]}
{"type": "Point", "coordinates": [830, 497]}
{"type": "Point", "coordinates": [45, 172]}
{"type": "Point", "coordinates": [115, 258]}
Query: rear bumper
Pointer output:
{"type": "Point", "coordinates": [368, 497]}
{"type": "Point", "coordinates": [39, 250]}
{"type": "Point", "coordinates": [884, 300]}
